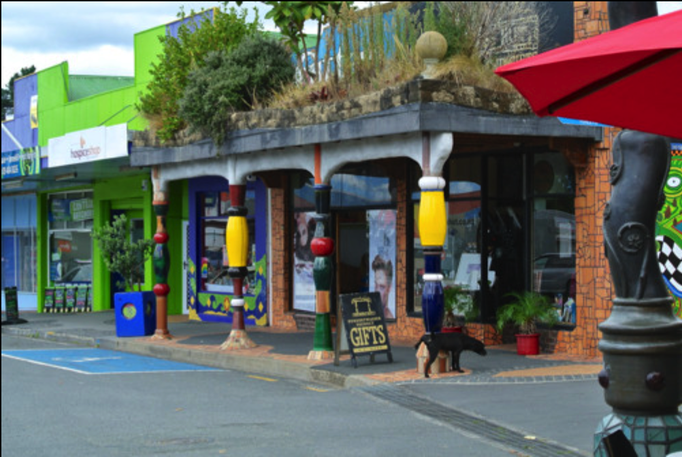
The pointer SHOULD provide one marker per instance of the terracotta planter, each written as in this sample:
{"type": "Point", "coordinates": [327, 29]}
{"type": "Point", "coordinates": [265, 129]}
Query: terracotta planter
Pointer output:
{"type": "Point", "coordinates": [528, 344]}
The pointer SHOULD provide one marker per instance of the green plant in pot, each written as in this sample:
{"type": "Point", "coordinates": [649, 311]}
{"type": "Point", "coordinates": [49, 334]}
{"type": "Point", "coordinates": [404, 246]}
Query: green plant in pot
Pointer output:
{"type": "Point", "coordinates": [135, 310]}
{"type": "Point", "coordinates": [459, 308]}
{"type": "Point", "coordinates": [524, 311]}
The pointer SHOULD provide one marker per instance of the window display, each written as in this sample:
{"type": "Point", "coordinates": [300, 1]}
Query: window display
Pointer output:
{"type": "Point", "coordinates": [70, 219]}
{"type": "Point", "coordinates": [363, 198]}
{"type": "Point", "coordinates": [214, 260]}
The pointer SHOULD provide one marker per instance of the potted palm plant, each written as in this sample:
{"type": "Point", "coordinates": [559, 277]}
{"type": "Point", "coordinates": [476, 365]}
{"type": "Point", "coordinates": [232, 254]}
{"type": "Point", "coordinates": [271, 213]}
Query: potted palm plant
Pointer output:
{"type": "Point", "coordinates": [135, 309]}
{"type": "Point", "coordinates": [524, 311]}
{"type": "Point", "coordinates": [459, 308]}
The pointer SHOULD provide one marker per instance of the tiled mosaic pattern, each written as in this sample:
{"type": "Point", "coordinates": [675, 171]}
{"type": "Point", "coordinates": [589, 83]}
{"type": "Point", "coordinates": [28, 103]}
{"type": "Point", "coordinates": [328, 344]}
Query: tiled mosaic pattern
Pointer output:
{"type": "Point", "coordinates": [655, 436]}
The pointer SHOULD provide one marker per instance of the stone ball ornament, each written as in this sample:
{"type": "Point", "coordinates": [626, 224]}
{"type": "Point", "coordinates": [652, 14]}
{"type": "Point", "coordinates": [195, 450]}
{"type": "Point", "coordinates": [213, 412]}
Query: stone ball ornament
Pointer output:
{"type": "Point", "coordinates": [431, 46]}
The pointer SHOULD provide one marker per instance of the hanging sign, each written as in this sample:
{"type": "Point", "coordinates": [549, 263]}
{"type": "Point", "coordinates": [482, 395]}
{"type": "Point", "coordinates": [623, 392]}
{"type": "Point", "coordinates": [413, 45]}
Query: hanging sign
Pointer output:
{"type": "Point", "coordinates": [363, 318]}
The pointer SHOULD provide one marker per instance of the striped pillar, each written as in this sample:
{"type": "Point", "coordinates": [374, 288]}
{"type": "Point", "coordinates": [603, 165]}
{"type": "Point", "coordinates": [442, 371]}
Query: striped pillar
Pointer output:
{"type": "Point", "coordinates": [237, 243]}
{"type": "Point", "coordinates": [161, 262]}
{"type": "Point", "coordinates": [322, 246]}
{"type": "Point", "coordinates": [432, 231]}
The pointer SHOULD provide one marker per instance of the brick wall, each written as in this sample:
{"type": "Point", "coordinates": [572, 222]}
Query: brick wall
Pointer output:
{"type": "Point", "coordinates": [590, 19]}
{"type": "Point", "coordinates": [593, 190]}
{"type": "Point", "coordinates": [280, 276]}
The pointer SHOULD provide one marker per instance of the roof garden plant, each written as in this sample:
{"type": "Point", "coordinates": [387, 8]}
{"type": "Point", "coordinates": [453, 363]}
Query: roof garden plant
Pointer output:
{"type": "Point", "coordinates": [222, 30]}
{"type": "Point", "coordinates": [234, 81]}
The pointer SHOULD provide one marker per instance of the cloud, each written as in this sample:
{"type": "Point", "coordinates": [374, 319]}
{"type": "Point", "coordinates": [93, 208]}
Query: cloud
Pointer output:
{"type": "Point", "coordinates": [77, 26]}
{"type": "Point", "coordinates": [91, 36]}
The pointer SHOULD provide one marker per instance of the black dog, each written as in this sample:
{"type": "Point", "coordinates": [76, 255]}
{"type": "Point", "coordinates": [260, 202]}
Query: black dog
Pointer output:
{"type": "Point", "coordinates": [454, 343]}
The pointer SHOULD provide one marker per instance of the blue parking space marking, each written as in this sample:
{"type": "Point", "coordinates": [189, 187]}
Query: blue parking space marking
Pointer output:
{"type": "Point", "coordinates": [100, 361]}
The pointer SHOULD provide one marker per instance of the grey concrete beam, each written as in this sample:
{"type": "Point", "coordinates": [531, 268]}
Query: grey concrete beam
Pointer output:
{"type": "Point", "coordinates": [415, 117]}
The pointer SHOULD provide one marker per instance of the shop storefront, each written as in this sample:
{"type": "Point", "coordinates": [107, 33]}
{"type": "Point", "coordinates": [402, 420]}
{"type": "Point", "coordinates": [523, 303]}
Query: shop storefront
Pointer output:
{"type": "Point", "coordinates": [510, 227]}
{"type": "Point", "coordinates": [210, 287]}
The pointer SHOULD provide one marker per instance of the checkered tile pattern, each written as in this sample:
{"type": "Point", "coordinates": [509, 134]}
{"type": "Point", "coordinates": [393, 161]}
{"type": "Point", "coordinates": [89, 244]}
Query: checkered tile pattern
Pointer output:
{"type": "Point", "coordinates": [670, 261]}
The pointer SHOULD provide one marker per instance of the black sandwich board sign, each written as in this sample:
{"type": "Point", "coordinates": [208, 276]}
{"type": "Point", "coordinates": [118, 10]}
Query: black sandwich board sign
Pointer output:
{"type": "Point", "coordinates": [363, 319]}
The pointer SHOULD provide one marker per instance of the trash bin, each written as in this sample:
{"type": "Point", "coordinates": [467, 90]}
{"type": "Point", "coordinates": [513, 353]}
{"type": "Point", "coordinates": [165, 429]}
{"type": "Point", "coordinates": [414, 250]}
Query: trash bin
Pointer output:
{"type": "Point", "coordinates": [135, 313]}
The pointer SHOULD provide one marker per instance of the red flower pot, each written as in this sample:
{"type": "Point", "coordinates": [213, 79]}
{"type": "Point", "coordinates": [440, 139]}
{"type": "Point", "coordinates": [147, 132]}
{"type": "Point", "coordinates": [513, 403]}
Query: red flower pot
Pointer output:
{"type": "Point", "coordinates": [528, 344]}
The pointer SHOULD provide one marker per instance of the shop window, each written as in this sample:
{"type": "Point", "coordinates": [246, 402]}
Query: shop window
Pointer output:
{"type": "Point", "coordinates": [214, 260]}
{"type": "Point", "coordinates": [363, 202]}
{"type": "Point", "coordinates": [19, 259]}
{"type": "Point", "coordinates": [554, 238]}
{"type": "Point", "coordinates": [70, 217]}
{"type": "Point", "coordinates": [461, 258]}
{"type": "Point", "coordinates": [19, 249]}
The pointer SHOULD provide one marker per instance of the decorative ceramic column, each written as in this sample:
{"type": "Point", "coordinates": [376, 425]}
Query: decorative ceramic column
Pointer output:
{"type": "Point", "coordinates": [322, 246]}
{"type": "Point", "coordinates": [237, 242]}
{"type": "Point", "coordinates": [642, 338]}
{"type": "Point", "coordinates": [161, 257]}
{"type": "Point", "coordinates": [432, 231]}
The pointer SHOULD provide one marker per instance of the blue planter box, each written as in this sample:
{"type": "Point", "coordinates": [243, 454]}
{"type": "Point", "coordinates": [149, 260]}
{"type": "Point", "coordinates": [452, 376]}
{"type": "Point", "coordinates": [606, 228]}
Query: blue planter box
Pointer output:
{"type": "Point", "coordinates": [135, 313]}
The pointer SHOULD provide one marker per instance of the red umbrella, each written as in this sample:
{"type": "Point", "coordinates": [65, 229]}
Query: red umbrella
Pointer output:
{"type": "Point", "coordinates": [630, 77]}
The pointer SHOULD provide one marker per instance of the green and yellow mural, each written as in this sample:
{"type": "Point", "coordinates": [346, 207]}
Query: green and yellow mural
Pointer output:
{"type": "Point", "coordinates": [669, 231]}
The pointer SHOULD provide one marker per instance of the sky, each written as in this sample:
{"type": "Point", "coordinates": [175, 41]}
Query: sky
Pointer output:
{"type": "Point", "coordinates": [96, 38]}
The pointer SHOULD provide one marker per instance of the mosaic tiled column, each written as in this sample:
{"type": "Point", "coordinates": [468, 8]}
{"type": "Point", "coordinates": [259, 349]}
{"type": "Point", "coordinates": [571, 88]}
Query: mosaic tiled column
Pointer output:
{"type": "Point", "coordinates": [322, 247]}
{"type": "Point", "coordinates": [432, 231]}
{"type": "Point", "coordinates": [161, 258]}
{"type": "Point", "coordinates": [642, 338]}
{"type": "Point", "coordinates": [237, 242]}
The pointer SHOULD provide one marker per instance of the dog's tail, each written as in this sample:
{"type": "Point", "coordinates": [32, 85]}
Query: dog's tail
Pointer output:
{"type": "Point", "coordinates": [421, 340]}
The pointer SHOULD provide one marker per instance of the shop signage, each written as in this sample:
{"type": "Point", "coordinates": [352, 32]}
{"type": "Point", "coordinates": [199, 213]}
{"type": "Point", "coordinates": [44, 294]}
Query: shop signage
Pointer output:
{"type": "Point", "coordinates": [91, 145]}
{"type": "Point", "coordinates": [48, 304]}
{"type": "Point", "coordinates": [59, 299]}
{"type": "Point", "coordinates": [82, 210]}
{"type": "Point", "coordinates": [363, 319]}
{"type": "Point", "coordinates": [62, 209]}
{"type": "Point", "coordinates": [70, 299]}
{"type": "Point", "coordinates": [21, 162]}
{"type": "Point", "coordinates": [11, 304]}
{"type": "Point", "coordinates": [34, 112]}
{"type": "Point", "coordinates": [81, 298]}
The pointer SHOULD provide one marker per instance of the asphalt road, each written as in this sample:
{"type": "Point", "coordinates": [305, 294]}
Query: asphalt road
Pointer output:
{"type": "Point", "coordinates": [57, 412]}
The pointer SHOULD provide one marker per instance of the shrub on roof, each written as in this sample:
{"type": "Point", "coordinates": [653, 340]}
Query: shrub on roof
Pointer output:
{"type": "Point", "coordinates": [235, 81]}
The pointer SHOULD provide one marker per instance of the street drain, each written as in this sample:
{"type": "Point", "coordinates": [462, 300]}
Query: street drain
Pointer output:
{"type": "Point", "coordinates": [470, 424]}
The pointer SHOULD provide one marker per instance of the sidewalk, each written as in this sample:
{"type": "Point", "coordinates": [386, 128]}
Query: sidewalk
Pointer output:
{"type": "Point", "coordinates": [285, 354]}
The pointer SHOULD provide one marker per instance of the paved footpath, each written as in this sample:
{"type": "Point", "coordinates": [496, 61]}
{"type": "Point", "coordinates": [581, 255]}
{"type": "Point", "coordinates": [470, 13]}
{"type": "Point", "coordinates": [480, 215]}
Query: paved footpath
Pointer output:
{"type": "Point", "coordinates": [541, 406]}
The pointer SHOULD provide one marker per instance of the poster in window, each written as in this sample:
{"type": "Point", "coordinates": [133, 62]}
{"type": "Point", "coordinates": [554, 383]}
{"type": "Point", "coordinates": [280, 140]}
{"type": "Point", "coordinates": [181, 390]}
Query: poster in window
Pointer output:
{"type": "Point", "coordinates": [382, 257]}
{"type": "Point", "coordinates": [304, 285]}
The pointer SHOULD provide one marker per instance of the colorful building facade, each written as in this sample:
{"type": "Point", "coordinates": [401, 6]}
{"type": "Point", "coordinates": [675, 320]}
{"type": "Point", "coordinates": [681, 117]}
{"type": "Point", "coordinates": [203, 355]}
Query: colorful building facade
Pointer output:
{"type": "Point", "coordinates": [514, 203]}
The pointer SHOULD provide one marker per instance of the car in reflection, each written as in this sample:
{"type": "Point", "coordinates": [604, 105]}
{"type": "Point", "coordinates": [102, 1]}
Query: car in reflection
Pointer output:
{"type": "Point", "coordinates": [80, 273]}
{"type": "Point", "coordinates": [554, 273]}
